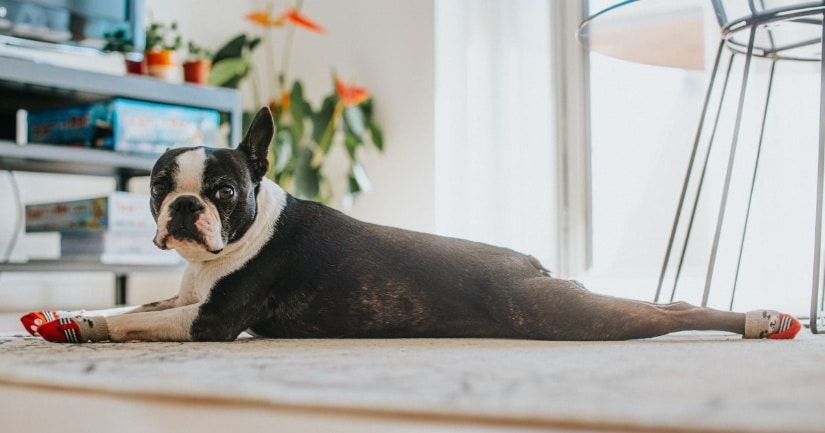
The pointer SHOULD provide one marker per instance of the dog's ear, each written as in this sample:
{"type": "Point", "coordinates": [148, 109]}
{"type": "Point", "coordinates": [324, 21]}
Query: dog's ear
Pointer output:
{"type": "Point", "coordinates": [255, 143]}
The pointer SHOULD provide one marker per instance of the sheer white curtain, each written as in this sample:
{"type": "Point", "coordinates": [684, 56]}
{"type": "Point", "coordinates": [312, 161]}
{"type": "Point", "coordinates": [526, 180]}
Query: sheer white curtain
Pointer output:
{"type": "Point", "coordinates": [495, 152]}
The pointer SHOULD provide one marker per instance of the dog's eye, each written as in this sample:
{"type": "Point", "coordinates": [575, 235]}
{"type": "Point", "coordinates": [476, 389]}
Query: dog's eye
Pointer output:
{"type": "Point", "coordinates": [225, 193]}
{"type": "Point", "coordinates": [158, 189]}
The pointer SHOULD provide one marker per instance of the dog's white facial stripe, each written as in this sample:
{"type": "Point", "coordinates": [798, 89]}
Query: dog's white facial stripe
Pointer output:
{"type": "Point", "coordinates": [189, 177]}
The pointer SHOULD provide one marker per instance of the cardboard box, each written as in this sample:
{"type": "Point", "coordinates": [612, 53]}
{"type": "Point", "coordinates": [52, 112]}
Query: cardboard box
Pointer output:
{"type": "Point", "coordinates": [125, 125]}
{"type": "Point", "coordinates": [118, 211]}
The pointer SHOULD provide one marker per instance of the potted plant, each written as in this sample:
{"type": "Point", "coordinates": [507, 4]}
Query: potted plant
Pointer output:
{"type": "Point", "coordinates": [119, 41]}
{"type": "Point", "coordinates": [304, 134]}
{"type": "Point", "coordinates": [197, 65]}
{"type": "Point", "coordinates": [162, 44]}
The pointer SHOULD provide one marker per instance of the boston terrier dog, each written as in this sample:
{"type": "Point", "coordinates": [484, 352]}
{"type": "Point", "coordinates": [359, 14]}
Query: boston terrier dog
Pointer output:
{"type": "Point", "coordinates": [265, 262]}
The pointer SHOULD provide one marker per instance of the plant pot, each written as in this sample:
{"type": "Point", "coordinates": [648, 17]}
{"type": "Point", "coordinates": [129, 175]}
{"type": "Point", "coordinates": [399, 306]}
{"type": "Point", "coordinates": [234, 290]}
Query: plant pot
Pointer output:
{"type": "Point", "coordinates": [163, 64]}
{"type": "Point", "coordinates": [197, 71]}
{"type": "Point", "coordinates": [135, 63]}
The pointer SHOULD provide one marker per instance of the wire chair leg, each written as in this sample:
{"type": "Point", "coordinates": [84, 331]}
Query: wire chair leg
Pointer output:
{"type": "Point", "coordinates": [815, 306]}
{"type": "Point", "coordinates": [731, 159]}
{"type": "Point", "coordinates": [688, 176]}
{"type": "Point", "coordinates": [753, 182]}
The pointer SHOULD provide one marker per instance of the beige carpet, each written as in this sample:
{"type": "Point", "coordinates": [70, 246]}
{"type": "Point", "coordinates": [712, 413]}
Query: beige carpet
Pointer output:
{"type": "Point", "coordinates": [682, 382]}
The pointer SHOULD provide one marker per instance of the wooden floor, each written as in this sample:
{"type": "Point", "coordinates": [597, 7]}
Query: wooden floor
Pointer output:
{"type": "Point", "coordinates": [24, 409]}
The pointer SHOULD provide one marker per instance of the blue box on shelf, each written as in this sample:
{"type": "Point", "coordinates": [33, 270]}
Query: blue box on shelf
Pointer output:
{"type": "Point", "coordinates": [125, 125]}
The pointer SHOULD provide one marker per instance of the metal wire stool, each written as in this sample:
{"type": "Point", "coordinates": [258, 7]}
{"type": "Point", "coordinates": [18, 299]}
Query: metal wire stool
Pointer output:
{"type": "Point", "coordinates": [751, 33]}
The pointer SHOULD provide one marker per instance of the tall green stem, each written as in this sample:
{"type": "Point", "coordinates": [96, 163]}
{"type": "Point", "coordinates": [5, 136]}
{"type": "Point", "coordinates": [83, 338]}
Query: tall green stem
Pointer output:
{"type": "Point", "coordinates": [287, 52]}
{"type": "Point", "coordinates": [270, 55]}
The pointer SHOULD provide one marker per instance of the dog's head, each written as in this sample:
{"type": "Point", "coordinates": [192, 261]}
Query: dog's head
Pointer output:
{"type": "Point", "coordinates": [203, 199]}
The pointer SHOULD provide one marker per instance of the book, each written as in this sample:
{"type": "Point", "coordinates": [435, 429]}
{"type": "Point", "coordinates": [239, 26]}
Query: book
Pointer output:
{"type": "Point", "coordinates": [125, 125]}
{"type": "Point", "coordinates": [118, 211]}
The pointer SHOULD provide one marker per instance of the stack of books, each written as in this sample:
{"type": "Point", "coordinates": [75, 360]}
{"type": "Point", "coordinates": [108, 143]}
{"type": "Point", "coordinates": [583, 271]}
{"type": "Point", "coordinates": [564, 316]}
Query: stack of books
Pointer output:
{"type": "Point", "coordinates": [114, 229]}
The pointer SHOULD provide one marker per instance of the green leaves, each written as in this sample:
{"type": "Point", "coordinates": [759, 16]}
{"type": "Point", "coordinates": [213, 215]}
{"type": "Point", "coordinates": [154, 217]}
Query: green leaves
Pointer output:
{"type": "Point", "coordinates": [239, 46]}
{"type": "Point", "coordinates": [299, 109]}
{"type": "Point", "coordinates": [307, 179]}
{"type": "Point", "coordinates": [355, 122]}
{"type": "Point", "coordinates": [229, 72]}
{"type": "Point", "coordinates": [304, 137]}
{"type": "Point", "coordinates": [232, 62]}
{"type": "Point", "coordinates": [376, 134]}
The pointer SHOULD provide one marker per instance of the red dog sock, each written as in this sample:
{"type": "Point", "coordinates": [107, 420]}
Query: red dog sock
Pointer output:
{"type": "Point", "coordinates": [787, 327]}
{"type": "Point", "coordinates": [771, 324]}
{"type": "Point", "coordinates": [75, 330]}
{"type": "Point", "coordinates": [33, 320]}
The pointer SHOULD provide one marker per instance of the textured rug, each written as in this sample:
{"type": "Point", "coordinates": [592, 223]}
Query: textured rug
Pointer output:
{"type": "Point", "coordinates": [682, 382]}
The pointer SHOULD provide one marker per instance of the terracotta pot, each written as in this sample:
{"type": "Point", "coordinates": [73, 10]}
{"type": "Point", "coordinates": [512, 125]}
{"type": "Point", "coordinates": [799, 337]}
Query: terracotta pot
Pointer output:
{"type": "Point", "coordinates": [161, 58]}
{"type": "Point", "coordinates": [197, 71]}
{"type": "Point", "coordinates": [163, 64]}
{"type": "Point", "coordinates": [135, 63]}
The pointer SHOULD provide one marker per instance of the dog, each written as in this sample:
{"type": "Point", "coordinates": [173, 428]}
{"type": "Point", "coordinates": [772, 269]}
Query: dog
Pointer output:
{"type": "Point", "coordinates": [262, 261]}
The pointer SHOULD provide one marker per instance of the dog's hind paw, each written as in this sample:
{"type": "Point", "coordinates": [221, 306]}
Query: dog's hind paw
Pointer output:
{"type": "Point", "coordinates": [771, 324]}
{"type": "Point", "coordinates": [75, 330]}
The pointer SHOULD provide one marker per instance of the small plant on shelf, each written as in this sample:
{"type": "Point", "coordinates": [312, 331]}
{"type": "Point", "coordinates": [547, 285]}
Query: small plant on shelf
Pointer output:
{"type": "Point", "coordinates": [162, 43]}
{"type": "Point", "coordinates": [198, 64]}
{"type": "Point", "coordinates": [120, 41]}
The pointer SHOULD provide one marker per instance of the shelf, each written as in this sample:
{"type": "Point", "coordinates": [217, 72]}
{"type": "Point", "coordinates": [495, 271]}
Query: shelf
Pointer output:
{"type": "Point", "coordinates": [37, 266]}
{"type": "Point", "coordinates": [30, 85]}
{"type": "Point", "coordinates": [29, 73]}
{"type": "Point", "coordinates": [34, 77]}
{"type": "Point", "coordinates": [72, 160]}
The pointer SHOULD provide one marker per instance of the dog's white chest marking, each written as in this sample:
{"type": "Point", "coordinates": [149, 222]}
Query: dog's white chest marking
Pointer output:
{"type": "Point", "coordinates": [200, 277]}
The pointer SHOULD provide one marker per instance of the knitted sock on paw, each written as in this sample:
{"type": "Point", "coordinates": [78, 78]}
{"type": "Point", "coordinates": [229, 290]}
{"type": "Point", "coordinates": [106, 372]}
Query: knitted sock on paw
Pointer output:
{"type": "Point", "coordinates": [33, 320]}
{"type": "Point", "coordinates": [770, 324]}
{"type": "Point", "coordinates": [75, 330]}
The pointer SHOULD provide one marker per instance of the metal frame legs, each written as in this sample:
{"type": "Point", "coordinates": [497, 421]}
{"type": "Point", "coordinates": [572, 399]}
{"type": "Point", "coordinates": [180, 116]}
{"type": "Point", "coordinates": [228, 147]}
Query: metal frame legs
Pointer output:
{"type": "Point", "coordinates": [688, 210]}
{"type": "Point", "coordinates": [731, 160]}
{"type": "Point", "coordinates": [816, 306]}
{"type": "Point", "coordinates": [689, 174]}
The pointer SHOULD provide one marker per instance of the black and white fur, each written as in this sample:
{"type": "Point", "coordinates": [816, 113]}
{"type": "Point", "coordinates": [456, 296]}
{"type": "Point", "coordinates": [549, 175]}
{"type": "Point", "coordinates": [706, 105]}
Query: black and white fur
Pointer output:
{"type": "Point", "coordinates": [262, 261]}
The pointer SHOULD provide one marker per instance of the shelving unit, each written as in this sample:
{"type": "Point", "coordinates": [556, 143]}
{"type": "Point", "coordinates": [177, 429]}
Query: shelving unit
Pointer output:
{"type": "Point", "coordinates": [29, 85]}
{"type": "Point", "coordinates": [46, 158]}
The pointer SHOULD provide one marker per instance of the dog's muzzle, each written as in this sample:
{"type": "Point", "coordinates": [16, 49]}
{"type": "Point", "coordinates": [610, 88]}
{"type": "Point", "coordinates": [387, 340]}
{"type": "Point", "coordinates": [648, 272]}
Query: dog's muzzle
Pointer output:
{"type": "Point", "coordinates": [183, 214]}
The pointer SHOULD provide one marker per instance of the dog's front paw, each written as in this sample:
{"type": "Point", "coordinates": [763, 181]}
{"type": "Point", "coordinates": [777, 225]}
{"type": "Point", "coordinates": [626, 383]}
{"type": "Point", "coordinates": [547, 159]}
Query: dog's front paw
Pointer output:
{"type": "Point", "coordinates": [75, 330]}
{"type": "Point", "coordinates": [32, 321]}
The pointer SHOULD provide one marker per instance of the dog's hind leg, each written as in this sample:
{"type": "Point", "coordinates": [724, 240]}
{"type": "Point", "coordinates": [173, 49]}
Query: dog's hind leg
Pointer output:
{"type": "Point", "coordinates": [555, 309]}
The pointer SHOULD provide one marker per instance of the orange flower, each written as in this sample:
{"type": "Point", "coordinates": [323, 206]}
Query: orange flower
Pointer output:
{"type": "Point", "coordinates": [299, 20]}
{"type": "Point", "coordinates": [350, 94]}
{"type": "Point", "coordinates": [285, 100]}
{"type": "Point", "coordinates": [262, 18]}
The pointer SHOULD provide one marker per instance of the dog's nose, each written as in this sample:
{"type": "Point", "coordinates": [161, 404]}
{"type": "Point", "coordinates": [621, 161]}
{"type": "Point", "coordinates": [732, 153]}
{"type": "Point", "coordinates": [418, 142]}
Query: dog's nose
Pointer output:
{"type": "Point", "coordinates": [187, 203]}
